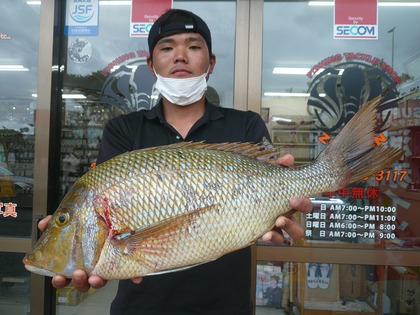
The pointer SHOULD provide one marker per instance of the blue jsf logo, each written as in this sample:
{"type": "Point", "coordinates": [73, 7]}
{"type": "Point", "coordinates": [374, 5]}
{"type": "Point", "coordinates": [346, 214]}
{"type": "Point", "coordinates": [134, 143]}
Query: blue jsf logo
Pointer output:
{"type": "Point", "coordinates": [140, 28]}
{"type": "Point", "coordinates": [356, 31]}
{"type": "Point", "coordinates": [81, 12]}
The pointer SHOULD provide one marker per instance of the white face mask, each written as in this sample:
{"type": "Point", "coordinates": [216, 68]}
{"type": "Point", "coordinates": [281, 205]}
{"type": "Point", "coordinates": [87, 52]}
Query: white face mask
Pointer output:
{"type": "Point", "coordinates": [182, 91]}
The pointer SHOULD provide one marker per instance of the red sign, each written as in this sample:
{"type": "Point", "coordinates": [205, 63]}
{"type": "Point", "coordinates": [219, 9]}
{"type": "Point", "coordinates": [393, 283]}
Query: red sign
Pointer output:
{"type": "Point", "coordinates": [356, 19]}
{"type": "Point", "coordinates": [144, 13]}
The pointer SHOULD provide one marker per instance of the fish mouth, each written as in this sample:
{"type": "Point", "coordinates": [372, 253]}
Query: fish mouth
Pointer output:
{"type": "Point", "coordinates": [30, 266]}
{"type": "Point", "coordinates": [26, 261]}
{"type": "Point", "coordinates": [39, 271]}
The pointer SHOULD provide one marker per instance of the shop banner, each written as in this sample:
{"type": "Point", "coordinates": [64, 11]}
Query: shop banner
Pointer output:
{"type": "Point", "coordinates": [356, 19]}
{"type": "Point", "coordinates": [82, 18]}
{"type": "Point", "coordinates": [144, 13]}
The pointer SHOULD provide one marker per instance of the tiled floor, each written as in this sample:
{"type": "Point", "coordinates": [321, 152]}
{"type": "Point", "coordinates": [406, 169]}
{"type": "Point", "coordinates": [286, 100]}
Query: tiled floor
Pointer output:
{"type": "Point", "coordinates": [98, 304]}
{"type": "Point", "coordinates": [94, 304]}
{"type": "Point", "coordinates": [14, 301]}
{"type": "Point", "coordinates": [14, 297]}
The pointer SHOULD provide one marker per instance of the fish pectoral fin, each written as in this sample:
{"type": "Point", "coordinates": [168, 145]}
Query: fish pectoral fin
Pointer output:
{"type": "Point", "coordinates": [156, 236]}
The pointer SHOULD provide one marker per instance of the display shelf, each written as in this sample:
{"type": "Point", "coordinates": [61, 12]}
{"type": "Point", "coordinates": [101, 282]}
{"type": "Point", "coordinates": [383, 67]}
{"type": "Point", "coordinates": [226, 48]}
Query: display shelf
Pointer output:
{"type": "Point", "coordinates": [301, 143]}
{"type": "Point", "coordinates": [331, 298]}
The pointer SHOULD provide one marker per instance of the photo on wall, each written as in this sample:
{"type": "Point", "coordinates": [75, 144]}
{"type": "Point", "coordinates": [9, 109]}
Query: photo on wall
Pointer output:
{"type": "Point", "coordinates": [269, 286]}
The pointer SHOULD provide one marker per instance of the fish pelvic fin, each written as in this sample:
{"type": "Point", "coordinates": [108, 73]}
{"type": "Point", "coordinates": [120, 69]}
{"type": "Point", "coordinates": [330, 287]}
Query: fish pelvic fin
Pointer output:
{"type": "Point", "coordinates": [354, 153]}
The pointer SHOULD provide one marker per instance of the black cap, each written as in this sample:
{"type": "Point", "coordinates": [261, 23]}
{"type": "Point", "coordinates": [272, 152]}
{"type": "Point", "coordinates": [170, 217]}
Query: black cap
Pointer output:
{"type": "Point", "coordinates": [177, 21]}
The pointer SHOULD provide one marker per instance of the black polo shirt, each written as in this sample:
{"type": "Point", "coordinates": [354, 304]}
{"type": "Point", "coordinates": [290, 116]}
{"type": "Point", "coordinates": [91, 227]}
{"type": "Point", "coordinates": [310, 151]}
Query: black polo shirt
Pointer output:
{"type": "Point", "coordinates": [219, 287]}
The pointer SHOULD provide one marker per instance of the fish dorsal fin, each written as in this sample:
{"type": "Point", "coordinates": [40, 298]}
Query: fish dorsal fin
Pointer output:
{"type": "Point", "coordinates": [263, 151]}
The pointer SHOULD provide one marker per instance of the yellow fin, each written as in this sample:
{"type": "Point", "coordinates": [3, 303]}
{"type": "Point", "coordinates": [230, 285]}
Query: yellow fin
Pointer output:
{"type": "Point", "coordinates": [354, 151]}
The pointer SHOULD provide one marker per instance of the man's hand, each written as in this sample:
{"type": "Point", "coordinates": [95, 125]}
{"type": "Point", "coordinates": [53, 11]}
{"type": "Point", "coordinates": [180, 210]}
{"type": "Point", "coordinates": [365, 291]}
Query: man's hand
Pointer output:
{"type": "Point", "coordinates": [81, 281]}
{"type": "Point", "coordinates": [288, 224]}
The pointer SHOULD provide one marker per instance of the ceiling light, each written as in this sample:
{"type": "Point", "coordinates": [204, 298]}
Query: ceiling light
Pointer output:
{"type": "Point", "coordinates": [286, 94]}
{"type": "Point", "coordinates": [102, 2]}
{"type": "Point", "coordinates": [13, 68]}
{"type": "Point", "coordinates": [283, 70]}
{"type": "Point", "coordinates": [114, 2]}
{"type": "Point", "coordinates": [74, 96]}
{"type": "Point", "coordinates": [321, 3]}
{"type": "Point", "coordinates": [281, 119]}
{"type": "Point", "coordinates": [399, 4]}
{"type": "Point", "coordinates": [380, 4]}
{"type": "Point", "coordinates": [115, 68]}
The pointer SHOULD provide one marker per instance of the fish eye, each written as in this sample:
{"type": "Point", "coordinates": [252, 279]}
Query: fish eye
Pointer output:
{"type": "Point", "coordinates": [62, 219]}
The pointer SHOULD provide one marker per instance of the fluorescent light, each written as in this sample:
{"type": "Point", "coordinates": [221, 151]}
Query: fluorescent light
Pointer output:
{"type": "Point", "coordinates": [284, 70]}
{"type": "Point", "coordinates": [55, 68]}
{"type": "Point", "coordinates": [114, 2]}
{"type": "Point", "coordinates": [281, 119]}
{"type": "Point", "coordinates": [399, 4]}
{"type": "Point", "coordinates": [380, 4]}
{"type": "Point", "coordinates": [321, 3]}
{"type": "Point", "coordinates": [115, 68]}
{"type": "Point", "coordinates": [13, 68]}
{"type": "Point", "coordinates": [286, 94]}
{"type": "Point", "coordinates": [111, 2]}
{"type": "Point", "coordinates": [74, 96]}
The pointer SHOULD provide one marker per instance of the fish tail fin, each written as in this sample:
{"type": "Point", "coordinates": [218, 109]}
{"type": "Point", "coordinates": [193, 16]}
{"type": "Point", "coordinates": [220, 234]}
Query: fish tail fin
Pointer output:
{"type": "Point", "coordinates": [354, 155]}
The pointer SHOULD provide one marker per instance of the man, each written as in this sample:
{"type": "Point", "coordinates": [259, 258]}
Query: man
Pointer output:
{"type": "Point", "coordinates": [273, 293]}
{"type": "Point", "coordinates": [181, 58]}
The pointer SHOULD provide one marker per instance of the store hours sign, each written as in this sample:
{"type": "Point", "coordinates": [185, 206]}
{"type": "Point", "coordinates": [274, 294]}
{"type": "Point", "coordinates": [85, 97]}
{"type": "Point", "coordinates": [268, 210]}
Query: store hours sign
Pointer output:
{"type": "Point", "coordinates": [336, 220]}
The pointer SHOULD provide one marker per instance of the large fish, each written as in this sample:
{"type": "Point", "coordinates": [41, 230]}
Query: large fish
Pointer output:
{"type": "Point", "coordinates": [169, 208]}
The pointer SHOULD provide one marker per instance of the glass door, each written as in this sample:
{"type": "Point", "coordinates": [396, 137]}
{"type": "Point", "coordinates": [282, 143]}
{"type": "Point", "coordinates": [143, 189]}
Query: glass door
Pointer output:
{"type": "Point", "coordinates": [106, 75]}
{"type": "Point", "coordinates": [359, 254]}
{"type": "Point", "coordinates": [19, 38]}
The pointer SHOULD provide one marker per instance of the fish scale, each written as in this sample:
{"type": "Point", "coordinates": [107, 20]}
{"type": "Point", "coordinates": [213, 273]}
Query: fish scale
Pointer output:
{"type": "Point", "coordinates": [215, 227]}
{"type": "Point", "coordinates": [169, 208]}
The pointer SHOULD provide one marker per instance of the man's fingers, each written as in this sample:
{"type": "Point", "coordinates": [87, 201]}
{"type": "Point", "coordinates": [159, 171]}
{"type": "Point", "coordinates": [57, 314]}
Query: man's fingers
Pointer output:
{"type": "Point", "coordinates": [96, 282]}
{"type": "Point", "coordinates": [273, 237]}
{"type": "Point", "coordinates": [42, 225]}
{"type": "Point", "coordinates": [59, 282]}
{"type": "Point", "coordinates": [137, 280]}
{"type": "Point", "coordinates": [80, 281]}
{"type": "Point", "coordinates": [291, 227]}
{"type": "Point", "coordinates": [286, 160]}
{"type": "Point", "coordinates": [303, 205]}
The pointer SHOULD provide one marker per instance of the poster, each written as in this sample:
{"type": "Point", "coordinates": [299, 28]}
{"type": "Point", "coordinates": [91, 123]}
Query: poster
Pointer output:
{"type": "Point", "coordinates": [144, 13]}
{"type": "Point", "coordinates": [269, 286]}
{"type": "Point", "coordinates": [82, 18]}
{"type": "Point", "coordinates": [356, 19]}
